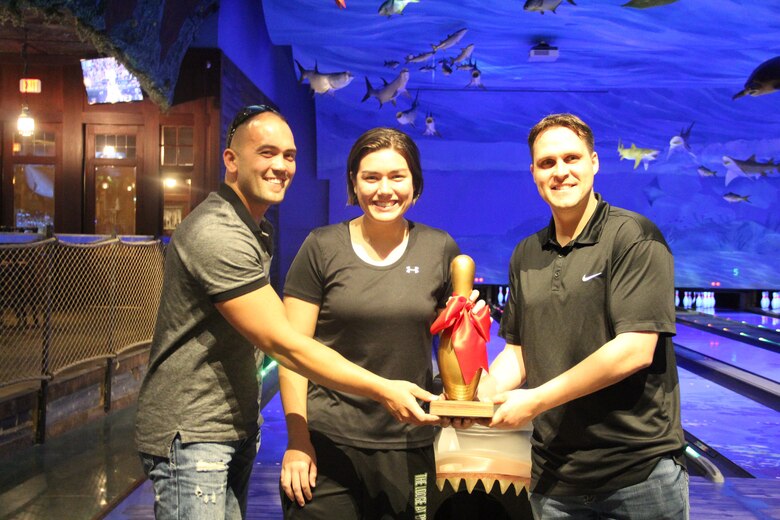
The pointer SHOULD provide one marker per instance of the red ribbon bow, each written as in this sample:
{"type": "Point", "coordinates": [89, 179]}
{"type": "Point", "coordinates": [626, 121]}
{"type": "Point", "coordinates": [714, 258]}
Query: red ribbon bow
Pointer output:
{"type": "Point", "coordinates": [469, 333]}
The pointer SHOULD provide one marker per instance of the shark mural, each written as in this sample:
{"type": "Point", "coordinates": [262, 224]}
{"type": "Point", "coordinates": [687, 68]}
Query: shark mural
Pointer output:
{"type": "Point", "coordinates": [639, 72]}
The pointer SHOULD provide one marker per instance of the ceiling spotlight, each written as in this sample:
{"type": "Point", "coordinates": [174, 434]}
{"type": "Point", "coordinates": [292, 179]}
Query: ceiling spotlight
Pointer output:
{"type": "Point", "coordinates": [542, 51]}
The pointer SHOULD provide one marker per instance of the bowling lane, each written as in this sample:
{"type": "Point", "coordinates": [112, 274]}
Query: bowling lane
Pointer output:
{"type": "Point", "coordinates": [736, 426]}
{"type": "Point", "coordinates": [740, 429]}
{"type": "Point", "coordinates": [756, 360]}
{"type": "Point", "coordinates": [751, 318]}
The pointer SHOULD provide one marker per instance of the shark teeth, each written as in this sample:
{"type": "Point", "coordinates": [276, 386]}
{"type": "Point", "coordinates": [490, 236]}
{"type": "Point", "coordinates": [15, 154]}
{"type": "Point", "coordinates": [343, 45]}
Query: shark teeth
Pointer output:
{"type": "Point", "coordinates": [487, 482]}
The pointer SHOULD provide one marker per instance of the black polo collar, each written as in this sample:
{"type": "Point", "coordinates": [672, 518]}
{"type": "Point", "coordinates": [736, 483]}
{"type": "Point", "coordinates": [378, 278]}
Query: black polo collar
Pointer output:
{"type": "Point", "coordinates": [589, 235]}
{"type": "Point", "coordinates": [263, 231]}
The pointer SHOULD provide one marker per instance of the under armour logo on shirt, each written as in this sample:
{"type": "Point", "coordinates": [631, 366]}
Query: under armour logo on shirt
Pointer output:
{"type": "Point", "coordinates": [410, 269]}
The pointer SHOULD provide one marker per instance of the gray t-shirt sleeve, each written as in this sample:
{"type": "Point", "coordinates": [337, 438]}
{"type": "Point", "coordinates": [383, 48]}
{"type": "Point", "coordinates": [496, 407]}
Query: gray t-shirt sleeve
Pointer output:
{"type": "Point", "coordinates": [227, 267]}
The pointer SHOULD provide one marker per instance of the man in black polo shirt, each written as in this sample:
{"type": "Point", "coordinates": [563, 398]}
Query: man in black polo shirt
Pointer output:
{"type": "Point", "coordinates": [588, 326]}
{"type": "Point", "coordinates": [197, 423]}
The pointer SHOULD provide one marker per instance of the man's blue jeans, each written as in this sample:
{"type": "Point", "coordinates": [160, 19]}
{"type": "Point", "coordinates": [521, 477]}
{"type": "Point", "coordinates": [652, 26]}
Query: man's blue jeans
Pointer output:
{"type": "Point", "coordinates": [202, 480]}
{"type": "Point", "coordinates": [663, 496]}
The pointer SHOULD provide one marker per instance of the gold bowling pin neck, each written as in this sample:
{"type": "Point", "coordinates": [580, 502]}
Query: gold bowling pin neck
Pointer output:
{"type": "Point", "coordinates": [462, 270]}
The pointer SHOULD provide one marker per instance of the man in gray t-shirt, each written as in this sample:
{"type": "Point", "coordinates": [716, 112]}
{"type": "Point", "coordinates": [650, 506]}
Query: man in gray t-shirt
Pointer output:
{"type": "Point", "coordinates": [197, 423]}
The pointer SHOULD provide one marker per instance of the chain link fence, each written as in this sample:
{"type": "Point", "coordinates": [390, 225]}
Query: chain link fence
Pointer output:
{"type": "Point", "coordinates": [64, 303]}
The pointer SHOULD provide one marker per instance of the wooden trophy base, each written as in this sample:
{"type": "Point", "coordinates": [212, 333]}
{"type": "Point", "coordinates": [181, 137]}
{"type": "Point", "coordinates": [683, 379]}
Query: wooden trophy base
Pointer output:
{"type": "Point", "coordinates": [474, 409]}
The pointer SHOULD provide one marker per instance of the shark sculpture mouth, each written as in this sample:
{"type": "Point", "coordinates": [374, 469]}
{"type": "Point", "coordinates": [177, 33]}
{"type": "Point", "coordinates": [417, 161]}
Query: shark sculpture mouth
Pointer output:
{"type": "Point", "coordinates": [481, 454]}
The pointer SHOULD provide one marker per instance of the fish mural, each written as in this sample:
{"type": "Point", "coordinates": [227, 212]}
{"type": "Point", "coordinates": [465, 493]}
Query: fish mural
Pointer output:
{"type": "Point", "coordinates": [430, 126]}
{"type": "Point", "coordinates": [39, 180]}
{"type": "Point", "coordinates": [643, 155]}
{"type": "Point", "coordinates": [391, 7]}
{"type": "Point", "coordinates": [476, 78]}
{"type": "Point", "coordinates": [764, 80]}
{"type": "Point", "coordinates": [467, 66]}
{"type": "Point", "coordinates": [450, 40]}
{"type": "Point", "coordinates": [749, 168]}
{"type": "Point", "coordinates": [706, 172]}
{"type": "Point", "coordinates": [465, 54]}
{"type": "Point", "coordinates": [342, 4]}
{"type": "Point", "coordinates": [647, 4]}
{"type": "Point", "coordinates": [540, 6]}
{"type": "Point", "coordinates": [389, 91]}
{"type": "Point", "coordinates": [321, 83]}
{"type": "Point", "coordinates": [653, 191]}
{"type": "Point", "coordinates": [680, 142]}
{"type": "Point", "coordinates": [392, 64]}
{"type": "Point", "coordinates": [446, 69]}
{"type": "Point", "coordinates": [733, 197]}
{"type": "Point", "coordinates": [420, 58]}
{"type": "Point", "coordinates": [407, 117]}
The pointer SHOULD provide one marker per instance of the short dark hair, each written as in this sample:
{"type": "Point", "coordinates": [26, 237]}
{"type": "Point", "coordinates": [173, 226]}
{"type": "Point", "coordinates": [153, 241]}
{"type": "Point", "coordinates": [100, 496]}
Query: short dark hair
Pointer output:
{"type": "Point", "coordinates": [383, 138]}
{"type": "Point", "coordinates": [570, 121]}
{"type": "Point", "coordinates": [244, 115]}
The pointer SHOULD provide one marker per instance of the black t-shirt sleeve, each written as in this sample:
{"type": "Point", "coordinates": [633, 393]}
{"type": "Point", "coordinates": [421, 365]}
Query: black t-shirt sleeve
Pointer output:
{"type": "Point", "coordinates": [510, 322]}
{"type": "Point", "coordinates": [451, 250]}
{"type": "Point", "coordinates": [642, 289]}
{"type": "Point", "coordinates": [304, 278]}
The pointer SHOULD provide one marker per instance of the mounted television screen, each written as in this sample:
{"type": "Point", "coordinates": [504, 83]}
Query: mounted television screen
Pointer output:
{"type": "Point", "coordinates": [108, 81]}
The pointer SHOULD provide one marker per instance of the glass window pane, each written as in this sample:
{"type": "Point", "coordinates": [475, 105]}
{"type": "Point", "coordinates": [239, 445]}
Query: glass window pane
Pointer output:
{"type": "Point", "coordinates": [168, 135]}
{"type": "Point", "coordinates": [176, 146]}
{"type": "Point", "coordinates": [48, 142]}
{"type": "Point", "coordinates": [185, 136]}
{"type": "Point", "coordinates": [169, 155]}
{"type": "Point", "coordinates": [33, 194]}
{"type": "Point", "coordinates": [40, 144]}
{"type": "Point", "coordinates": [130, 147]}
{"type": "Point", "coordinates": [115, 200]}
{"type": "Point", "coordinates": [186, 156]}
{"type": "Point", "coordinates": [115, 146]}
{"type": "Point", "coordinates": [176, 201]}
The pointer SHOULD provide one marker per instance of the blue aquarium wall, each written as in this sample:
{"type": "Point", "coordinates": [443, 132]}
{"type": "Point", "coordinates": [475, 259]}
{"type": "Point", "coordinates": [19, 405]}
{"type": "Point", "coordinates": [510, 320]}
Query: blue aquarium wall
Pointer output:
{"type": "Point", "coordinates": [662, 78]}
{"type": "Point", "coordinates": [483, 193]}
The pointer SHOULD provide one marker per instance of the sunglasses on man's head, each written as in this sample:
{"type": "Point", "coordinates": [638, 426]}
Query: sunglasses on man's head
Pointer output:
{"type": "Point", "coordinates": [245, 114]}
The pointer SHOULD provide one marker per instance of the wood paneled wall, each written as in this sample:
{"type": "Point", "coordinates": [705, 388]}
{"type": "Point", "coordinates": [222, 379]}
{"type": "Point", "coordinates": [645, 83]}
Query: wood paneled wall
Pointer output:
{"type": "Point", "coordinates": [63, 104]}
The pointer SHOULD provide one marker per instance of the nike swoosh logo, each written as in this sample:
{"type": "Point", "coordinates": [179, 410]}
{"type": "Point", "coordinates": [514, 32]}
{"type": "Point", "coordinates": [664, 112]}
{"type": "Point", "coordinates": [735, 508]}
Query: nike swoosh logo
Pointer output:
{"type": "Point", "coordinates": [589, 277]}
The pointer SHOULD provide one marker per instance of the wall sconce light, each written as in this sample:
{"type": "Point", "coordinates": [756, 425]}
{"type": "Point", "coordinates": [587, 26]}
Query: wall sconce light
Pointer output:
{"type": "Point", "coordinates": [25, 124]}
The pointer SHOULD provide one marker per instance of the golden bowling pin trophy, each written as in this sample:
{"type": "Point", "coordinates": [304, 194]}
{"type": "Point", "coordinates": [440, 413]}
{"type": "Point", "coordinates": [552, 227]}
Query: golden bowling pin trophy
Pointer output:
{"type": "Point", "coordinates": [479, 454]}
{"type": "Point", "coordinates": [460, 394]}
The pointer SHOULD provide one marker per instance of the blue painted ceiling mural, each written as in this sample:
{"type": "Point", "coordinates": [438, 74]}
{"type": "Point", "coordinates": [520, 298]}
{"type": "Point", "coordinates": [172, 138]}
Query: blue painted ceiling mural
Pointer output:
{"type": "Point", "coordinates": [669, 88]}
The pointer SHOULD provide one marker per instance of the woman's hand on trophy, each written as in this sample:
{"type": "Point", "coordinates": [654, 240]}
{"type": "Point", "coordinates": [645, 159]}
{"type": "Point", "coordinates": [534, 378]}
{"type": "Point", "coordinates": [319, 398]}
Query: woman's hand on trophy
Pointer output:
{"type": "Point", "coordinates": [463, 423]}
{"type": "Point", "coordinates": [474, 299]}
